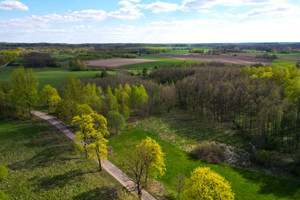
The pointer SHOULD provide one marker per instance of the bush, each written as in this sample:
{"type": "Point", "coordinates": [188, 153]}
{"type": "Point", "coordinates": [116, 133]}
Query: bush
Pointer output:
{"type": "Point", "coordinates": [3, 172]}
{"type": "Point", "coordinates": [210, 152]}
{"type": "Point", "coordinates": [206, 184]}
{"type": "Point", "coordinates": [261, 157]}
{"type": "Point", "coordinates": [129, 56]}
{"type": "Point", "coordinates": [272, 159]}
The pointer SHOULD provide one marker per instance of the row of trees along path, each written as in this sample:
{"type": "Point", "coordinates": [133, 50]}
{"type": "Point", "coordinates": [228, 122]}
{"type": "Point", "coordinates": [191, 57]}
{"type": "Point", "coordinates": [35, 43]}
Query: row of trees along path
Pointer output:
{"type": "Point", "coordinates": [108, 166]}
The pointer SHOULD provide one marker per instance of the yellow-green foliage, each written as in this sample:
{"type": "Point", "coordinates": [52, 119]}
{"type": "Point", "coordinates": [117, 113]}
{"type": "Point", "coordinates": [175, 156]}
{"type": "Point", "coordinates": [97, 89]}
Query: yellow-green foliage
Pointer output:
{"type": "Point", "coordinates": [206, 184]}
{"type": "Point", "coordinates": [50, 97]}
{"type": "Point", "coordinates": [3, 172]}
{"type": "Point", "coordinates": [24, 88]}
{"type": "Point", "coordinates": [90, 136]}
{"type": "Point", "coordinates": [154, 164]}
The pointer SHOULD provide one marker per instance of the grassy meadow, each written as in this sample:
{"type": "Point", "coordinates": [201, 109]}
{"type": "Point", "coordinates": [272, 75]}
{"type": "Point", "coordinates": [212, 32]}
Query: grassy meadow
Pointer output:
{"type": "Point", "coordinates": [56, 77]}
{"type": "Point", "coordinates": [151, 65]}
{"type": "Point", "coordinates": [42, 165]}
{"type": "Point", "coordinates": [246, 184]}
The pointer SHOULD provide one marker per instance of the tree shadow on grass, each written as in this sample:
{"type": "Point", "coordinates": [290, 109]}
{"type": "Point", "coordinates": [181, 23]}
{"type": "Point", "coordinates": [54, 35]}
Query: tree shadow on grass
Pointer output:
{"type": "Point", "coordinates": [281, 188]}
{"type": "Point", "coordinates": [45, 158]}
{"type": "Point", "coordinates": [103, 193]}
{"type": "Point", "coordinates": [59, 181]}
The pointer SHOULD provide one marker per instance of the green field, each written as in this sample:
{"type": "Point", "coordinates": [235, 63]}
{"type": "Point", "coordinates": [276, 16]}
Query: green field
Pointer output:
{"type": "Point", "coordinates": [247, 185]}
{"type": "Point", "coordinates": [56, 77]}
{"type": "Point", "coordinates": [43, 165]}
{"type": "Point", "coordinates": [283, 63]}
{"type": "Point", "coordinates": [151, 65]}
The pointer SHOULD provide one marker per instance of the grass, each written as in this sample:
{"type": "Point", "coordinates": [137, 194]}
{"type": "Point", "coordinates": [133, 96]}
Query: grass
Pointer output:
{"type": "Point", "coordinates": [174, 129]}
{"type": "Point", "coordinates": [283, 63]}
{"type": "Point", "coordinates": [63, 57]}
{"type": "Point", "coordinates": [56, 77]}
{"type": "Point", "coordinates": [247, 185]}
{"type": "Point", "coordinates": [151, 65]}
{"type": "Point", "coordinates": [43, 165]}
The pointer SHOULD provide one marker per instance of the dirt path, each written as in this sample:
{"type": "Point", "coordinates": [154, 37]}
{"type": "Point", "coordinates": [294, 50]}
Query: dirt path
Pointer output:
{"type": "Point", "coordinates": [4, 65]}
{"type": "Point", "coordinates": [108, 166]}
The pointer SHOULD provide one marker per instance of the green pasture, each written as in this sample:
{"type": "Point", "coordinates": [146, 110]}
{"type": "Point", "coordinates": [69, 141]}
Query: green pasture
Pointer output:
{"type": "Point", "coordinates": [283, 63]}
{"type": "Point", "coordinates": [151, 65]}
{"type": "Point", "coordinates": [56, 77]}
{"type": "Point", "coordinates": [246, 184]}
{"type": "Point", "coordinates": [42, 164]}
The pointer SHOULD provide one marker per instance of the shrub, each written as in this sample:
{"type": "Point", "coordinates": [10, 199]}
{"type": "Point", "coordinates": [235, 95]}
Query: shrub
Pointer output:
{"type": "Point", "coordinates": [261, 157]}
{"type": "Point", "coordinates": [209, 151]}
{"type": "Point", "coordinates": [3, 172]}
{"type": "Point", "coordinates": [206, 184]}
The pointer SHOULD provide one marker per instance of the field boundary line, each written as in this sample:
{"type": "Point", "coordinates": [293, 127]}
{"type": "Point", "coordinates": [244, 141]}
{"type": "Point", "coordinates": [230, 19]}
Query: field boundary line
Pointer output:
{"type": "Point", "coordinates": [114, 171]}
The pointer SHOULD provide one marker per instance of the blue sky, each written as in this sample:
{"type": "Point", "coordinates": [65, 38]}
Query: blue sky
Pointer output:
{"type": "Point", "coordinates": [146, 21]}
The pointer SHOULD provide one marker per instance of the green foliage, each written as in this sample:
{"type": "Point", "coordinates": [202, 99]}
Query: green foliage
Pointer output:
{"type": "Point", "coordinates": [90, 133]}
{"type": "Point", "coordinates": [50, 97]}
{"type": "Point", "coordinates": [115, 120]}
{"type": "Point", "coordinates": [262, 157]}
{"type": "Point", "coordinates": [3, 172]}
{"type": "Point", "coordinates": [77, 65]}
{"type": "Point", "coordinates": [24, 88]}
{"type": "Point", "coordinates": [154, 164]}
{"type": "Point", "coordinates": [205, 184]}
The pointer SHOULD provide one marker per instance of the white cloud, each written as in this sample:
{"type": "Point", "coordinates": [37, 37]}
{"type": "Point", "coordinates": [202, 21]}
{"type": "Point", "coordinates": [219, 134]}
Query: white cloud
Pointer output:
{"type": "Point", "coordinates": [159, 7]}
{"type": "Point", "coordinates": [210, 3]}
{"type": "Point", "coordinates": [12, 5]}
{"type": "Point", "coordinates": [129, 11]}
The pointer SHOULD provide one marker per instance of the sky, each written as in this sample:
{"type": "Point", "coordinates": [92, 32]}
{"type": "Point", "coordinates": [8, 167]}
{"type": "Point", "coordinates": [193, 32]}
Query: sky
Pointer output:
{"type": "Point", "coordinates": [148, 21]}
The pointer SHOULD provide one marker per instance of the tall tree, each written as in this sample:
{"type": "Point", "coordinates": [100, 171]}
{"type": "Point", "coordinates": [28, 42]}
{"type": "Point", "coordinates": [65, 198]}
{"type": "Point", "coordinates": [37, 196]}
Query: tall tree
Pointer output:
{"type": "Point", "coordinates": [115, 120]}
{"type": "Point", "coordinates": [49, 97]}
{"type": "Point", "coordinates": [24, 89]}
{"type": "Point", "coordinates": [145, 160]}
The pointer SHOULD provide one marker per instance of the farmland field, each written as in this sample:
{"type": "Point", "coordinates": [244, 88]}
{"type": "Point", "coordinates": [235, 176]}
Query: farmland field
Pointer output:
{"type": "Point", "coordinates": [116, 62]}
{"type": "Point", "coordinates": [240, 59]}
{"type": "Point", "coordinates": [42, 165]}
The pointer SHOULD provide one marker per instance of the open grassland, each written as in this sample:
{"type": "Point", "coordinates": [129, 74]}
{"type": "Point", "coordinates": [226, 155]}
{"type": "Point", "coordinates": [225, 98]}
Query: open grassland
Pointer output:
{"type": "Point", "coordinates": [247, 185]}
{"type": "Point", "coordinates": [43, 165]}
{"type": "Point", "coordinates": [283, 63]}
{"type": "Point", "coordinates": [65, 56]}
{"type": "Point", "coordinates": [151, 65]}
{"type": "Point", "coordinates": [56, 77]}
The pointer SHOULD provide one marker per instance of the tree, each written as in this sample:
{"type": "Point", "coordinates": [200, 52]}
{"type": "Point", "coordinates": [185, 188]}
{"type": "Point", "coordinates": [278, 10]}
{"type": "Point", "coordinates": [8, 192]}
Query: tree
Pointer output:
{"type": "Point", "coordinates": [84, 126]}
{"type": "Point", "coordinates": [154, 164]}
{"type": "Point", "coordinates": [146, 159]}
{"type": "Point", "coordinates": [205, 184]}
{"type": "Point", "coordinates": [169, 96]}
{"type": "Point", "coordinates": [90, 136]}
{"type": "Point", "coordinates": [115, 120]}
{"type": "Point", "coordinates": [111, 101]}
{"type": "Point", "coordinates": [49, 97]}
{"type": "Point", "coordinates": [24, 89]}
